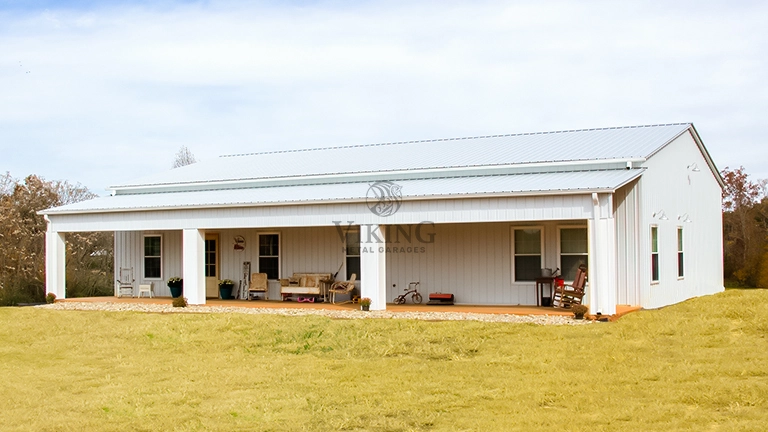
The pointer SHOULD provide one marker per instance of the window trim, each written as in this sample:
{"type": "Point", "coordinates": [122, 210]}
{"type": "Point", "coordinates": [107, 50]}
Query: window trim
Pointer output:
{"type": "Point", "coordinates": [680, 253]}
{"type": "Point", "coordinates": [560, 253]}
{"type": "Point", "coordinates": [658, 255]}
{"type": "Point", "coordinates": [279, 252]}
{"type": "Point", "coordinates": [144, 257]}
{"type": "Point", "coordinates": [513, 228]}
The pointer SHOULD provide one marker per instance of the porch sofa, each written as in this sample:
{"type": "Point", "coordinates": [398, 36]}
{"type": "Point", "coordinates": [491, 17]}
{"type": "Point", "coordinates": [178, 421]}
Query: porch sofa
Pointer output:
{"type": "Point", "coordinates": [308, 284]}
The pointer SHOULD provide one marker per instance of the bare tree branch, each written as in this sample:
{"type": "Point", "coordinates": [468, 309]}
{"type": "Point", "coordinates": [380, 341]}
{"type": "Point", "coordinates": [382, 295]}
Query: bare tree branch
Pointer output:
{"type": "Point", "coordinates": [184, 157]}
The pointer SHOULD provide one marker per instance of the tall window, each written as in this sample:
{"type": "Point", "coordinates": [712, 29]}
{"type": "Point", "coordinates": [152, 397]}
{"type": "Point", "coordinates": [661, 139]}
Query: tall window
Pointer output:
{"type": "Point", "coordinates": [680, 266]}
{"type": "Point", "coordinates": [269, 255]}
{"type": "Point", "coordinates": [527, 244]}
{"type": "Point", "coordinates": [654, 254]}
{"type": "Point", "coordinates": [573, 251]}
{"type": "Point", "coordinates": [352, 248]}
{"type": "Point", "coordinates": [153, 249]}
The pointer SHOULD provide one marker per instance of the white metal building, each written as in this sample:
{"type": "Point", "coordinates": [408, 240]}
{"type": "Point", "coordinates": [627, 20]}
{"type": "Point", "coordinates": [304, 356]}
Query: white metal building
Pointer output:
{"type": "Point", "coordinates": [478, 217]}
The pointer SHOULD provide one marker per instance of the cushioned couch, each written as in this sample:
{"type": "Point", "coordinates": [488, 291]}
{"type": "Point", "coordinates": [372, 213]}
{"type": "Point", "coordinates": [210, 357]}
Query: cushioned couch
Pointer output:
{"type": "Point", "coordinates": [308, 284]}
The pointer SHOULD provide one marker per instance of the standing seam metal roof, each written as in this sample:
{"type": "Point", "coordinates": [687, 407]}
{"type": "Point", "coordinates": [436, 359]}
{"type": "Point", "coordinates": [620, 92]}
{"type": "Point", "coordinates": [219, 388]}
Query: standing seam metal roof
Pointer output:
{"type": "Point", "coordinates": [493, 150]}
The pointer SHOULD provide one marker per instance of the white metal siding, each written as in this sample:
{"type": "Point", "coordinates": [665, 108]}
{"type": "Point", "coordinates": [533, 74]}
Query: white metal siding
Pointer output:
{"type": "Point", "coordinates": [670, 186]}
{"type": "Point", "coordinates": [627, 228]}
{"type": "Point", "coordinates": [129, 247]}
{"type": "Point", "coordinates": [471, 261]}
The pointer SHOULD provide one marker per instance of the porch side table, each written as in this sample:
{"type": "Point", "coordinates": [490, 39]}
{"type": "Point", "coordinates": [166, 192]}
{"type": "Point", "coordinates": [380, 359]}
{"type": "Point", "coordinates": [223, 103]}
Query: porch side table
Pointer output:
{"type": "Point", "coordinates": [540, 282]}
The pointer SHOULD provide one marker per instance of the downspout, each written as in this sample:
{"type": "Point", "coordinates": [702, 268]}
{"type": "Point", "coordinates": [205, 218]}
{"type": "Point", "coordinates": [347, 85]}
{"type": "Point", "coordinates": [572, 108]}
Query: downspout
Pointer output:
{"type": "Point", "coordinates": [595, 253]}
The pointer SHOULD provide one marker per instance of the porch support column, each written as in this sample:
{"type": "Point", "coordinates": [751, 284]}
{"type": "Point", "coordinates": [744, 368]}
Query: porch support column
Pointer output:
{"type": "Point", "coordinates": [194, 265]}
{"type": "Point", "coordinates": [55, 264]}
{"type": "Point", "coordinates": [373, 265]}
{"type": "Point", "coordinates": [602, 258]}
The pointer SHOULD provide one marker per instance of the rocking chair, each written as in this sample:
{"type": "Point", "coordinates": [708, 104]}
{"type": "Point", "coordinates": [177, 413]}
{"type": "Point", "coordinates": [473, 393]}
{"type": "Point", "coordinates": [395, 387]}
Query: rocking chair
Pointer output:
{"type": "Point", "coordinates": [343, 288]}
{"type": "Point", "coordinates": [125, 283]}
{"type": "Point", "coordinates": [258, 285]}
{"type": "Point", "coordinates": [566, 296]}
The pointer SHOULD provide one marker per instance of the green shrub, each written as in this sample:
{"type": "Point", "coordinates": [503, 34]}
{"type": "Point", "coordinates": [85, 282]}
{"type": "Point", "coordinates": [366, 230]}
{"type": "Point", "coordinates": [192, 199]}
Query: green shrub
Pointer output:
{"type": "Point", "coordinates": [180, 302]}
{"type": "Point", "coordinates": [50, 298]}
{"type": "Point", "coordinates": [579, 310]}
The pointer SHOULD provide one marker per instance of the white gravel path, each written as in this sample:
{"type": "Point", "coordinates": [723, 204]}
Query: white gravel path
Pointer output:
{"type": "Point", "coordinates": [336, 314]}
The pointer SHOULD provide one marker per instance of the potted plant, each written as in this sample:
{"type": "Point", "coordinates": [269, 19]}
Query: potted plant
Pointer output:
{"type": "Point", "coordinates": [579, 311]}
{"type": "Point", "coordinates": [175, 284]}
{"type": "Point", "coordinates": [225, 289]}
{"type": "Point", "coordinates": [365, 304]}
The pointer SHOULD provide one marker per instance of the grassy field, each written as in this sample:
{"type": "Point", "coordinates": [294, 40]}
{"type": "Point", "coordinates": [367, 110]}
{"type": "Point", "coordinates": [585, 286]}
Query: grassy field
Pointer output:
{"type": "Point", "coordinates": [699, 365]}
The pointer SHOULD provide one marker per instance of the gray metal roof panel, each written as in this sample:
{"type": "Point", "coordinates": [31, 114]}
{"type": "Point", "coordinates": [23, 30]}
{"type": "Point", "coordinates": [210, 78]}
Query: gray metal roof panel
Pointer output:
{"type": "Point", "coordinates": [565, 182]}
{"type": "Point", "coordinates": [564, 146]}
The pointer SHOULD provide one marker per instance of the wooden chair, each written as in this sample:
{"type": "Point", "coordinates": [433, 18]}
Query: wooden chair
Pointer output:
{"type": "Point", "coordinates": [343, 287]}
{"type": "Point", "coordinates": [125, 282]}
{"type": "Point", "coordinates": [566, 296]}
{"type": "Point", "coordinates": [258, 285]}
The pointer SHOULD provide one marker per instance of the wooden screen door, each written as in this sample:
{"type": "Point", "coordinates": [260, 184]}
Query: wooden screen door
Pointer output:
{"type": "Point", "coordinates": [212, 265]}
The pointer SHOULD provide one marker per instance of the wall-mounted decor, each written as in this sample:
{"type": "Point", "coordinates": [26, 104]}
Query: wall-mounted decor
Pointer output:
{"type": "Point", "coordinates": [239, 243]}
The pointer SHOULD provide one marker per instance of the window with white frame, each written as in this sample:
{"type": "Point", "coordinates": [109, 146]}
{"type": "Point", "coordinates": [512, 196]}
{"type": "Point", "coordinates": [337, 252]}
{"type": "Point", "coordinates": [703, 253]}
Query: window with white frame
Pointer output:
{"type": "Point", "coordinates": [680, 265]}
{"type": "Point", "coordinates": [269, 255]}
{"type": "Point", "coordinates": [654, 253]}
{"type": "Point", "coordinates": [527, 253]}
{"type": "Point", "coordinates": [153, 257]}
{"type": "Point", "coordinates": [352, 251]}
{"type": "Point", "coordinates": [574, 251]}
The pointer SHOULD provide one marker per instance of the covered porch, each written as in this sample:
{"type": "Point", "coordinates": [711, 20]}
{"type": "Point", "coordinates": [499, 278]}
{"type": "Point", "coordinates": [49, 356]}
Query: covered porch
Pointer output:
{"type": "Point", "coordinates": [464, 246]}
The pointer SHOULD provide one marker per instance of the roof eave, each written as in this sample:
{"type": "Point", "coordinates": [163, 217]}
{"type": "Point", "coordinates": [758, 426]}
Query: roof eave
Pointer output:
{"type": "Point", "coordinates": [507, 194]}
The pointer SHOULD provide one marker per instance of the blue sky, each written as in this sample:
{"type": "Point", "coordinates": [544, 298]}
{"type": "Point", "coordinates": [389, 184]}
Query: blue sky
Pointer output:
{"type": "Point", "coordinates": [104, 92]}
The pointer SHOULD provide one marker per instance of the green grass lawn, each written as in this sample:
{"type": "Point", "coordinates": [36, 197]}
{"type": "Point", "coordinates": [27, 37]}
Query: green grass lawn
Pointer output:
{"type": "Point", "coordinates": [699, 365]}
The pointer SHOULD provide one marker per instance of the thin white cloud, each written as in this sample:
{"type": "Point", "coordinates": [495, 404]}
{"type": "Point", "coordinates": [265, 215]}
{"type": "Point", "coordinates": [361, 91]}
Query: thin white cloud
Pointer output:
{"type": "Point", "coordinates": [113, 92]}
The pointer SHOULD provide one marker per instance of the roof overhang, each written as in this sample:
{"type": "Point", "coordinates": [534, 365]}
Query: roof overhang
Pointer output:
{"type": "Point", "coordinates": [439, 188]}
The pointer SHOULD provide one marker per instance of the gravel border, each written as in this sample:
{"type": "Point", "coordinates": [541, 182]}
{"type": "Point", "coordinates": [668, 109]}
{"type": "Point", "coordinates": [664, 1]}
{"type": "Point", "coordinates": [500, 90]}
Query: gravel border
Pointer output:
{"type": "Point", "coordinates": [336, 314]}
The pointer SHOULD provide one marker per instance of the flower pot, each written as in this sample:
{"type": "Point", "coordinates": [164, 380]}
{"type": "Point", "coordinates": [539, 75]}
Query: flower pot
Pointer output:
{"type": "Point", "coordinates": [365, 307]}
{"type": "Point", "coordinates": [225, 292]}
{"type": "Point", "coordinates": [578, 316]}
{"type": "Point", "coordinates": [175, 290]}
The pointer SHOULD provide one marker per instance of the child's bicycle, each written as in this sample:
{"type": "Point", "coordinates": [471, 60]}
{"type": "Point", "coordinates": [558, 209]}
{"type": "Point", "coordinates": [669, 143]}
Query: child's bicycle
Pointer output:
{"type": "Point", "coordinates": [413, 291]}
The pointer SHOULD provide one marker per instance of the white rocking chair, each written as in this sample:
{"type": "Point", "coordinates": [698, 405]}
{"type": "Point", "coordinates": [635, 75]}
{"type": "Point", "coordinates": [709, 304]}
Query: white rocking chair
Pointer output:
{"type": "Point", "coordinates": [125, 282]}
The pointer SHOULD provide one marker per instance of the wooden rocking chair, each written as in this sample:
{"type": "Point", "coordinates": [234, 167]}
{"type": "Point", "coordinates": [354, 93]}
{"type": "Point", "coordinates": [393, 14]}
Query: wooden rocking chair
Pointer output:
{"type": "Point", "coordinates": [258, 285]}
{"type": "Point", "coordinates": [343, 288]}
{"type": "Point", "coordinates": [566, 296]}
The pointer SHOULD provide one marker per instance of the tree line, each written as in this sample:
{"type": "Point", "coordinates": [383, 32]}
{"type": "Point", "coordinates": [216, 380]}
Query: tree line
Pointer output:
{"type": "Point", "coordinates": [745, 230]}
{"type": "Point", "coordinates": [89, 256]}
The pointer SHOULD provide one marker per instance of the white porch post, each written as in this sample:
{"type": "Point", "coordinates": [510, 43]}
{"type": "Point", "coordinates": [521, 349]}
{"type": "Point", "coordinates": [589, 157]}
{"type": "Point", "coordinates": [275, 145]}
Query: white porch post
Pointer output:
{"type": "Point", "coordinates": [194, 265]}
{"type": "Point", "coordinates": [602, 259]}
{"type": "Point", "coordinates": [373, 265]}
{"type": "Point", "coordinates": [55, 263]}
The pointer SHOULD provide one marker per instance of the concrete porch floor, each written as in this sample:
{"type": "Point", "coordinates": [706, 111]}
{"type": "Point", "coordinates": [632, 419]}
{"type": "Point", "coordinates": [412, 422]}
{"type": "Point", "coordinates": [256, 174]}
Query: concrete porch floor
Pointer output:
{"type": "Point", "coordinates": [275, 304]}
